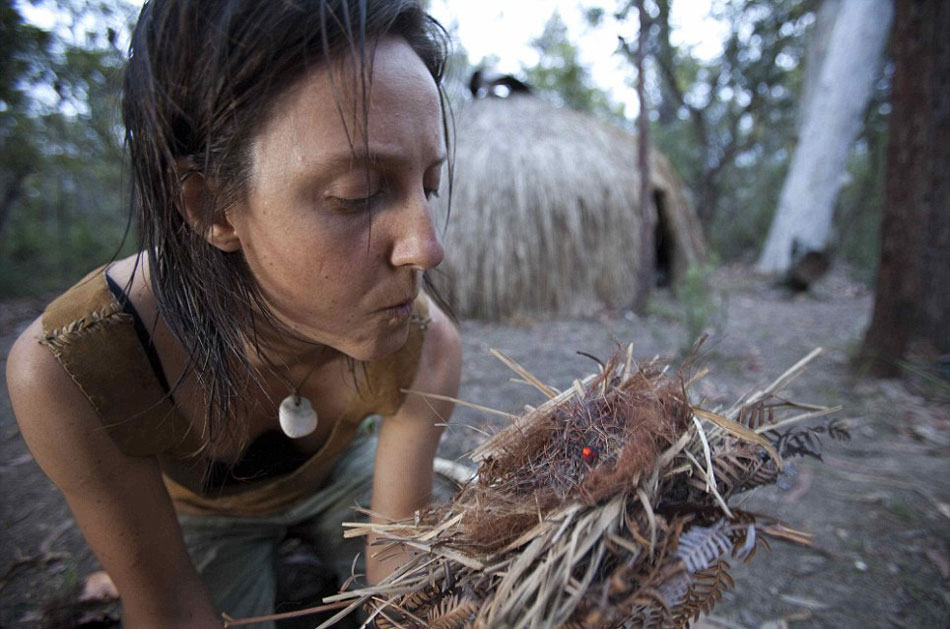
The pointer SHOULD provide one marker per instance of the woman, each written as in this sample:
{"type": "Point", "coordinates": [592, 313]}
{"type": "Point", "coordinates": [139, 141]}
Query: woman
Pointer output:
{"type": "Point", "coordinates": [196, 401]}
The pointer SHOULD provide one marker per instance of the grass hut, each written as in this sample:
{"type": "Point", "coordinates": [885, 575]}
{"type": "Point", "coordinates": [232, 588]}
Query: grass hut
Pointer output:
{"type": "Point", "coordinates": [546, 217]}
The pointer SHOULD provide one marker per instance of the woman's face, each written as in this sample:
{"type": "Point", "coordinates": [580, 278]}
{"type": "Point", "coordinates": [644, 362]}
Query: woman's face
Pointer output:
{"type": "Point", "coordinates": [337, 238]}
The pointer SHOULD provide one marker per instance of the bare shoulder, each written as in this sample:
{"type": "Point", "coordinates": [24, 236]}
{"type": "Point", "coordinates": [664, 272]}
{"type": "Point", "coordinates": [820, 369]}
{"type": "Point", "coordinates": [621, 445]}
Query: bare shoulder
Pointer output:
{"type": "Point", "coordinates": [441, 359]}
{"type": "Point", "coordinates": [438, 371]}
{"type": "Point", "coordinates": [31, 367]}
{"type": "Point", "coordinates": [119, 501]}
{"type": "Point", "coordinates": [58, 423]}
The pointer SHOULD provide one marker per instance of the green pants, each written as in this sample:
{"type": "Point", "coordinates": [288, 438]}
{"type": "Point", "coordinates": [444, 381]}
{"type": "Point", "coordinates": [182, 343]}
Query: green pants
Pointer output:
{"type": "Point", "coordinates": [236, 556]}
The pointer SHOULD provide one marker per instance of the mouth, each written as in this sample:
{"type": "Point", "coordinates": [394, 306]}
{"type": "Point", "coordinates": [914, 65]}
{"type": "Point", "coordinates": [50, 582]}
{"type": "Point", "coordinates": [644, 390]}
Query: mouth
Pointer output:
{"type": "Point", "coordinates": [401, 309]}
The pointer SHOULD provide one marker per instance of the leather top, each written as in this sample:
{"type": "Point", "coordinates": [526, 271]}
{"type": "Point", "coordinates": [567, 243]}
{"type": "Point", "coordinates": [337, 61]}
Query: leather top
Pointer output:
{"type": "Point", "coordinates": [96, 343]}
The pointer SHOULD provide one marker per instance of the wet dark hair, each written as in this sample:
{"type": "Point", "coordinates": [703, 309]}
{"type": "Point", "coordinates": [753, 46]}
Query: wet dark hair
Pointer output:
{"type": "Point", "coordinates": [198, 86]}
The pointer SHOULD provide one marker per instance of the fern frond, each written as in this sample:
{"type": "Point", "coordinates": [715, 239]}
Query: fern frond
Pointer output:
{"type": "Point", "coordinates": [651, 609]}
{"type": "Point", "coordinates": [675, 589]}
{"type": "Point", "coordinates": [452, 613]}
{"type": "Point", "coordinates": [745, 542]}
{"type": "Point", "coordinates": [837, 429]}
{"type": "Point", "coordinates": [707, 590]}
{"type": "Point", "coordinates": [606, 506]}
{"type": "Point", "coordinates": [807, 441]}
{"type": "Point", "coordinates": [406, 612]}
{"type": "Point", "coordinates": [744, 531]}
{"type": "Point", "coordinates": [804, 442]}
{"type": "Point", "coordinates": [742, 468]}
{"type": "Point", "coordinates": [419, 599]}
{"type": "Point", "coordinates": [756, 415]}
{"type": "Point", "coordinates": [701, 546]}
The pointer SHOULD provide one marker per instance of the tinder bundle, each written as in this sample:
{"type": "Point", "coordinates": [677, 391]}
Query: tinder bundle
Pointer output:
{"type": "Point", "coordinates": [606, 506]}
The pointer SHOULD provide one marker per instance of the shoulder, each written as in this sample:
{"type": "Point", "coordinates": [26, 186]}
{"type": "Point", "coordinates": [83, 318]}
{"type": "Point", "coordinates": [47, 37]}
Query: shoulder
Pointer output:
{"type": "Point", "coordinates": [35, 374]}
{"type": "Point", "coordinates": [31, 367]}
{"type": "Point", "coordinates": [430, 359]}
{"type": "Point", "coordinates": [437, 372]}
{"type": "Point", "coordinates": [49, 407]}
{"type": "Point", "coordinates": [77, 339]}
{"type": "Point", "coordinates": [59, 423]}
{"type": "Point", "coordinates": [119, 502]}
{"type": "Point", "coordinates": [84, 358]}
{"type": "Point", "coordinates": [441, 355]}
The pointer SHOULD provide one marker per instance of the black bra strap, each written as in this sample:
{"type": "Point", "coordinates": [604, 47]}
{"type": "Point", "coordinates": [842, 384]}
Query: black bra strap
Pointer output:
{"type": "Point", "coordinates": [141, 332]}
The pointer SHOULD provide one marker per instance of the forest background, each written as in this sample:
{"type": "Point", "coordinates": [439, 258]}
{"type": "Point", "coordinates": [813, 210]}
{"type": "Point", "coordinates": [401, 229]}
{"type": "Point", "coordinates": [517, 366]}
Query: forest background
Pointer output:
{"type": "Point", "coordinates": [729, 125]}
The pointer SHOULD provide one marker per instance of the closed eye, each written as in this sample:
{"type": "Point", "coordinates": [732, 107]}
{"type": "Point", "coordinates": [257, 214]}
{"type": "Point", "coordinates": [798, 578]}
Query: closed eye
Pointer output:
{"type": "Point", "coordinates": [431, 192]}
{"type": "Point", "coordinates": [353, 204]}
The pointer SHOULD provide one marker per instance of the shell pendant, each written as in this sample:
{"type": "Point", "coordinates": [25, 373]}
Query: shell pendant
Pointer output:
{"type": "Point", "coordinates": [297, 417]}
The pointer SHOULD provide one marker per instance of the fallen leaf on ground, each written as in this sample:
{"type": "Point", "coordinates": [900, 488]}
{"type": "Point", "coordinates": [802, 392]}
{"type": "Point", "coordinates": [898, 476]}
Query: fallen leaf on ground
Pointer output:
{"type": "Point", "coordinates": [19, 460]}
{"type": "Point", "coordinates": [783, 622]}
{"type": "Point", "coordinates": [939, 560]}
{"type": "Point", "coordinates": [54, 535]}
{"type": "Point", "coordinates": [804, 602]}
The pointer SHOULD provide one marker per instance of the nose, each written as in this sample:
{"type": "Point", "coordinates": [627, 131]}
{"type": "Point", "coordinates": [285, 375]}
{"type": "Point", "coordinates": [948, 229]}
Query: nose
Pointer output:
{"type": "Point", "coordinates": [416, 243]}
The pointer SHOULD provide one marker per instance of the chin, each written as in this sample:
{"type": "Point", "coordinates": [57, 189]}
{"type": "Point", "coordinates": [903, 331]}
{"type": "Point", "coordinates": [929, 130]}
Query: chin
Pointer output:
{"type": "Point", "coordinates": [381, 345]}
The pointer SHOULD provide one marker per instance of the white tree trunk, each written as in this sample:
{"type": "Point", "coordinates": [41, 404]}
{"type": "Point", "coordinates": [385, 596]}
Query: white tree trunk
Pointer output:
{"type": "Point", "coordinates": [816, 52]}
{"type": "Point", "coordinates": [832, 117]}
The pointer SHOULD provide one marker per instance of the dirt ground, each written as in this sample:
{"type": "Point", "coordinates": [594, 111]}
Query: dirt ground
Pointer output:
{"type": "Point", "coordinates": [878, 506]}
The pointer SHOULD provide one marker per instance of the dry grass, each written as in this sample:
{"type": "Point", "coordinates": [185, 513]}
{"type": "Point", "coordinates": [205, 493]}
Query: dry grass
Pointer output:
{"type": "Point", "coordinates": [546, 218]}
{"type": "Point", "coordinates": [639, 532]}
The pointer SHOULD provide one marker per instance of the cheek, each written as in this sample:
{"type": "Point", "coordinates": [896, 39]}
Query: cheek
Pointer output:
{"type": "Point", "coordinates": [293, 250]}
{"type": "Point", "coordinates": [325, 265]}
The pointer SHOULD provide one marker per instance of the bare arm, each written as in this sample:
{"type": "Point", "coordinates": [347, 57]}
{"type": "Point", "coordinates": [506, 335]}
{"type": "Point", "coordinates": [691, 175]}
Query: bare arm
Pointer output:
{"type": "Point", "coordinates": [402, 479]}
{"type": "Point", "coordinates": [119, 502]}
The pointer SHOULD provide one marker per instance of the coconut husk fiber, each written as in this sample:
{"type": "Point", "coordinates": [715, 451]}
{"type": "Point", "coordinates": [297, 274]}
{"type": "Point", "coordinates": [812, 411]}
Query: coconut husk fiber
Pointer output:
{"type": "Point", "coordinates": [606, 506]}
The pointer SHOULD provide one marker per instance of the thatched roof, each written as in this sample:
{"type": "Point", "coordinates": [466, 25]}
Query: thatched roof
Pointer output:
{"type": "Point", "coordinates": [545, 213]}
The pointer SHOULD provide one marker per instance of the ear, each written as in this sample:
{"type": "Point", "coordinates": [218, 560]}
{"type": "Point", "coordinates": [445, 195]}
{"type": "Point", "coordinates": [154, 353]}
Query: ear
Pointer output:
{"type": "Point", "coordinates": [196, 202]}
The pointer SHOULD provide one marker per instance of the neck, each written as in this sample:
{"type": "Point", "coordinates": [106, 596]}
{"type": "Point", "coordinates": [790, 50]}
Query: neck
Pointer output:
{"type": "Point", "coordinates": [285, 351]}
{"type": "Point", "coordinates": [276, 347]}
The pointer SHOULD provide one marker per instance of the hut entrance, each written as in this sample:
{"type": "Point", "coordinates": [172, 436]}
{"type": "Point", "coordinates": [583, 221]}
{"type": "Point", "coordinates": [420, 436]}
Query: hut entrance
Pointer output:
{"type": "Point", "coordinates": [663, 241]}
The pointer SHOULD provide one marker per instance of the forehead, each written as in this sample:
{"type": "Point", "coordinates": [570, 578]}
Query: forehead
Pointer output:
{"type": "Point", "coordinates": [325, 114]}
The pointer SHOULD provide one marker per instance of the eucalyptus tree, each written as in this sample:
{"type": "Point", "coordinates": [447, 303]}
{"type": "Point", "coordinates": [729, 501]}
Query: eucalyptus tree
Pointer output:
{"type": "Point", "coordinates": [912, 293]}
{"type": "Point", "coordinates": [850, 46]}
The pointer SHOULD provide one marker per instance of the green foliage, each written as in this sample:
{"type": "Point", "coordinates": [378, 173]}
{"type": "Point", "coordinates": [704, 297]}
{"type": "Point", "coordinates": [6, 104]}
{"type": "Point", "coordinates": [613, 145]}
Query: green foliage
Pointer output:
{"type": "Point", "coordinates": [23, 48]}
{"type": "Point", "coordinates": [458, 70]}
{"type": "Point", "coordinates": [861, 201]}
{"type": "Point", "coordinates": [699, 307]}
{"type": "Point", "coordinates": [62, 209]}
{"type": "Point", "coordinates": [560, 76]}
{"type": "Point", "coordinates": [902, 510]}
{"type": "Point", "coordinates": [860, 205]}
{"type": "Point", "coordinates": [703, 307]}
{"type": "Point", "coordinates": [745, 211]}
{"type": "Point", "coordinates": [730, 120]}
{"type": "Point", "coordinates": [930, 380]}
{"type": "Point", "coordinates": [729, 125]}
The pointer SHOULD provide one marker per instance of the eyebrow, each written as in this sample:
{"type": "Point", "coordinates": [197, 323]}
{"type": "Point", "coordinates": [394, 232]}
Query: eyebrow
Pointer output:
{"type": "Point", "coordinates": [360, 157]}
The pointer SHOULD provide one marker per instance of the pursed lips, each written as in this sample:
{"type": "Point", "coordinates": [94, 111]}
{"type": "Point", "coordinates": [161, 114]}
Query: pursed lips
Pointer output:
{"type": "Point", "coordinates": [405, 305]}
{"type": "Point", "coordinates": [402, 307]}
